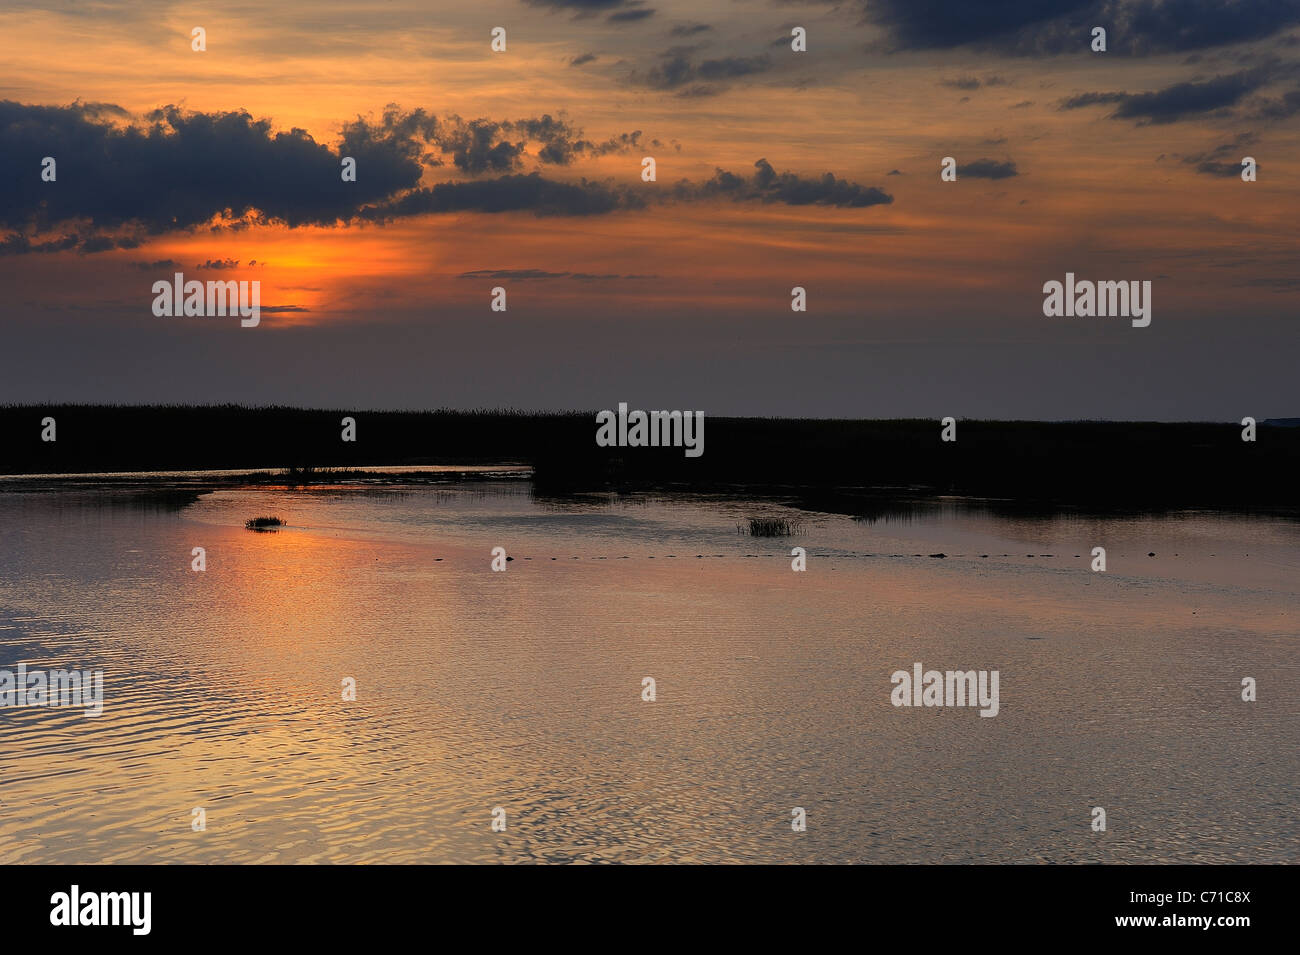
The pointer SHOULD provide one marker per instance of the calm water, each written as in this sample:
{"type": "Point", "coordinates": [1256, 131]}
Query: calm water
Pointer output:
{"type": "Point", "coordinates": [522, 689]}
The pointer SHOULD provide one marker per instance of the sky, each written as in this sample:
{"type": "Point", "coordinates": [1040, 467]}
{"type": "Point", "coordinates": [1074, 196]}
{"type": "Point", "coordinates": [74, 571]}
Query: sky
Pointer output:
{"type": "Point", "coordinates": [774, 168]}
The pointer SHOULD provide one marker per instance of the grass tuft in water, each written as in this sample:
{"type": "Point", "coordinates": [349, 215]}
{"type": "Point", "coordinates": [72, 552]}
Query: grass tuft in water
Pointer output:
{"type": "Point", "coordinates": [263, 523]}
{"type": "Point", "coordinates": [771, 527]}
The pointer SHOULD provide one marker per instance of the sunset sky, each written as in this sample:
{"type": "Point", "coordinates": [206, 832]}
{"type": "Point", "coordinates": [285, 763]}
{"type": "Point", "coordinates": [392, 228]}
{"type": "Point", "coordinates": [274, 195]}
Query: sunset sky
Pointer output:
{"type": "Point", "coordinates": [775, 169]}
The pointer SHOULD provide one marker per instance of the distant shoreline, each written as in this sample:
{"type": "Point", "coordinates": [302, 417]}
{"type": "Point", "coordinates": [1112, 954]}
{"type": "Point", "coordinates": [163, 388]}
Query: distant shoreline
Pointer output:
{"type": "Point", "coordinates": [401, 472]}
{"type": "Point", "coordinates": [843, 466]}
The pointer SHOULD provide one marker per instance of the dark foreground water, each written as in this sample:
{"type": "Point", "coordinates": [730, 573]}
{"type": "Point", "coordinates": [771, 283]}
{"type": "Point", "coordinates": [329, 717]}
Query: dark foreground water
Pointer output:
{"type": "Point", "coordinates": [523, 689]}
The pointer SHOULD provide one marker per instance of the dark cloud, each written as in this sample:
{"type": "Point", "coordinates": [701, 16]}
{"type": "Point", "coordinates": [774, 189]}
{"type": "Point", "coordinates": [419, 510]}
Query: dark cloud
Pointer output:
{"type": "Point", "coordinates": [219, 264]}
{"type": "Point", "coordinates": [1092, 99]}
{"type": "Point", "coordinates": [182, 169]}
{"type": "Point", "coordinates": [516, 274]}
{"type": "Point", "coordinates": [678, 70]}
{"type": "Point", "coordinates": [1226, 170]}
{"type": "Point", "coordinates": [729, 67]}
{"type": "Point", "coordinates": [106, 243]}
{"type": "Point", "coordinates": [118, 184]}
{"type": "Point", "coordinates": [1224, 160]}
{"type": "Point", "coordinates": [962, 83]}
{"type": "Point", "coordinates": [582, 58]}
{"type": "Point", "coordinates": [488, 146]}
{"type": "Point", "coordinates": [22, 245]}
{"type": "Point", "coordinates": [159, 264]}
{"type": "Point", "coordinates": [767, 185]}
{"type": "Point", "coordinates": [1038, 27]}
{"type": "Point", "coordinates": [547, 197]}
{"type": "Point", "coordinates": [987, 169]}
{"type": "Point", "coordinates": [689, 29]}
{"type": "Point", "coordinates": [514, 193]}
{"type": "Point", "coordinates": [1288, 104]}
{"type": "Point", "coordinates": [620, 144]}
{"type": "Point", "coordinates": [928, 24]}
{"type": "Point", "coordinates": [588, 8]}
{"type": "Point", "coordinates": [631, 16]}
{"type": "Point", "coordinates": [1174, 102]}
{"type": "Point", "coordinates": [1170, 25]}
{"type": "Point", "coordinates": [582, 6]}
{"type": "Point", "coordinates": [478, 146]}
{"type": "Point", "coordinates": [398, 136]}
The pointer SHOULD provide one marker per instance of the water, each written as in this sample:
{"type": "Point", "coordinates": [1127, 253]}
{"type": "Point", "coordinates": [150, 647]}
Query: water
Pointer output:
{"type": "Point", "coordinates": [522, 689]}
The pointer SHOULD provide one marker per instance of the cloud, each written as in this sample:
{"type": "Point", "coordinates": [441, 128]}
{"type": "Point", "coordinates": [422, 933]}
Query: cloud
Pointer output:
{"type": "Point", "coordinates": [930, 24]}
{"type": "Point", "coordinates": [514, 193]}
{"type": "Point", "coordinates": [219, 264]}
{"type": "Point", "coordinates": [120, 183]}
{"type": "Point", "coordinates": [589, 8]}
{"type": "Point", "coordinates": [104, 243]}
{"type": "Point", "coordinates": [178, 170]}
{"type": "Point", "coordinates": [17, 244]}
{"type": "Point", "coordinates": [972, 83]}
{"type": "Point", "coordinates": [1224, 160]}
{"type": "Point", "coordinates": [548, 197]}
{"type": "Point", "coordinates": [767, 185]}
{"type": "Point", "coordinates": [988, 169]}
{"type": "Point", "coordinates": [1174, 102]}
{"type": "Point", "coordinates": [1226, 170]}
{"type": "Point", "coordinates": [490, 146]}
{"type": "Point", "coordinates": [517, 274]}
{"type": "Point", "coordinates": [678, 70]}
{"type": "Point", "coordinates": [1153, 26]}
{"type": "Point", "coordinates": [182, 169]}
{"type": "Point", "coordinates": [1037, 27]}
{"type": "Point", "coordinates": [1288, 104]}
{"type": "Point", "coordinates": [631, 15]}
{"type": "Point", "coordinates": [478, 146]}
{"type": "Point", "coordinates": [689, 29]}
{"type": "Point", "coordinates": [582, 58]}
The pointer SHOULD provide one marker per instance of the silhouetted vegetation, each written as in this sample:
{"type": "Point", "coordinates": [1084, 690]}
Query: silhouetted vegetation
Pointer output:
{"type": "Point", "coordinates": [854, 467]}
{"type": "Point", "coordinates": [263, 523]}
{"type": "Point", "coordinates": [771, 527]}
